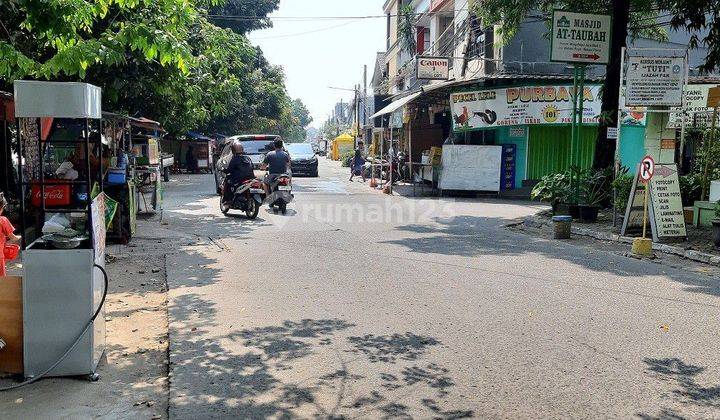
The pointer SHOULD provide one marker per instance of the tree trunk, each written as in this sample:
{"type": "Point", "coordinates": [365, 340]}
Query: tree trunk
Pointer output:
{"type": "Point", "coordinates": [605, 149]}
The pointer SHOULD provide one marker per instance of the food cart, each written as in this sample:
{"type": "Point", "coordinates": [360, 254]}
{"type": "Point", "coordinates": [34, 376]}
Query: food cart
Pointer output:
{"type": "Point", "coordinates": [146, 164]}
{"type": "Point", "coordinates": [63, 225]}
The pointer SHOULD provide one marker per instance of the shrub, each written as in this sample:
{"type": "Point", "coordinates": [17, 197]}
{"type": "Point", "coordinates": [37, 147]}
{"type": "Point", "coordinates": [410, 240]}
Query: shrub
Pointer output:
{"type": "Point", "coordinates": [346, 159]}
{"type": "Point", "coordinates": [553, 188]}
{"type": "Point", "coordinates": [690, 188]}
{"type": "Point", "coordinates": [622, 185]}
{"type": "Point", "coordinates": [596, 186]}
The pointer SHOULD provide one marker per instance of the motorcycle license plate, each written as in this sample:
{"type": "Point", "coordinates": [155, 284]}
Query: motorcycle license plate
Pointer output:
{"type": "Point", "coordinates": [284, 187]}
{"type": "Point", "coordinates": [257, 191]}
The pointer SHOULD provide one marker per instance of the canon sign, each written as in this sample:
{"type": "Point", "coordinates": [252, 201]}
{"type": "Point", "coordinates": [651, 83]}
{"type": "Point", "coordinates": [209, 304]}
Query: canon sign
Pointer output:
{"type": "Point", "coordinates": [433, 68]}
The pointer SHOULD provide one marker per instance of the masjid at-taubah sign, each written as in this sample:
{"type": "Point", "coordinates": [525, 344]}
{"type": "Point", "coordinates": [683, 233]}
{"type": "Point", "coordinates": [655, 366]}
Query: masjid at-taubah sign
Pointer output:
{"type": "Point", "coordinates": [580, 38]}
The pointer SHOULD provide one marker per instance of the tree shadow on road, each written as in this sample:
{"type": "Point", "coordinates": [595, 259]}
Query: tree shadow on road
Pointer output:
{"type": "Point", "coordinates": [690, 393]}
{"type": "Point", "coordinates": [477, 237]}
{"type": "Point", "coordinates": [301, 368]}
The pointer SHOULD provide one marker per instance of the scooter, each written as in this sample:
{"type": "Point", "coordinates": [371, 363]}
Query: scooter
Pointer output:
{"type": "Point", "coordinates": [247, 197]}
{"type": "Point", "coordinates": [281, 193]}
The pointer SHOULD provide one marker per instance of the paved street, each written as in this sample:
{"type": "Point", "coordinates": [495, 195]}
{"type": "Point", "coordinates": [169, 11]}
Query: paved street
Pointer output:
{"type": "Point", "coordinates": [362, 305]}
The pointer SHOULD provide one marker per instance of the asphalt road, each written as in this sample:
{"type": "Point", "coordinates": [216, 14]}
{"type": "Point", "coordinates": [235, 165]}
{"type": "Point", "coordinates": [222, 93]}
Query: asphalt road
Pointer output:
{"type": "Point", "coordinates": [361, 305]}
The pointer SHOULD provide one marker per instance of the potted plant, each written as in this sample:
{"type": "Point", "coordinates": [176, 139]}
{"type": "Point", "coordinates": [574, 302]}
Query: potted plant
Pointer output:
{"type": "Point", "coordinates": [595, 189]}
{"type": "Point", "coordinates": [553, 189]}
{"type": "Point", "coordinates": [716, 225]}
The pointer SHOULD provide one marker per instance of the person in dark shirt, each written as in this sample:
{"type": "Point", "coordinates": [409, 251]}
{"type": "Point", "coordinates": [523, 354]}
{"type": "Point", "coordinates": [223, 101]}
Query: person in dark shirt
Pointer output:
{"type": "Point", "coordinates": [239, 170]}
{"type": "Point", "coordinates": [358, 162]}
{"type": "Point", "coordinates": [276, 163]}
{"type": "Point", "coordinates": [191, 161]}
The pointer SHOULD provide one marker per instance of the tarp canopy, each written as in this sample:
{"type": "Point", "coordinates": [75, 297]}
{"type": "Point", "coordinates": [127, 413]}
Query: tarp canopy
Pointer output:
{"type": "Point", "coordinates": [395, 105]}
{"type": "Point", "coordinates": [35, 99]}
{"type": "Point", "coordinates": [345, 138]}
{"type": "Point", "coordinates": [192, 135]}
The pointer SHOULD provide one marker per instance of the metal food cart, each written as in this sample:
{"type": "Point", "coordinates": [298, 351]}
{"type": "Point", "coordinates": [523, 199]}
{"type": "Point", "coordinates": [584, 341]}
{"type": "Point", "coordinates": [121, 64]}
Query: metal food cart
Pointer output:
{"type": "Point", "coordinates": [64, 282]}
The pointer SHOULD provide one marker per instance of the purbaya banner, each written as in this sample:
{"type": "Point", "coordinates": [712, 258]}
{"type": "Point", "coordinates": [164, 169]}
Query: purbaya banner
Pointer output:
{"type": "Point", "coordinates": [522, 105]}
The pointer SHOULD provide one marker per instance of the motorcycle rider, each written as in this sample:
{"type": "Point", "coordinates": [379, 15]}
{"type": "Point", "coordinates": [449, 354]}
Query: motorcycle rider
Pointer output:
{"type": "Point", "coordinates": [240, 169]}
{"type": "Point", "coordinates": [276, 163]}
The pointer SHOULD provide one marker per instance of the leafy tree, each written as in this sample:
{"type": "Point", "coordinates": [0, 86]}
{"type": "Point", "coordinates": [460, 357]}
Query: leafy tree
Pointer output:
{"type": "Point", "coordinates": [243, 16]}
{"type": "Point", "coordinates": [634, 17]}
{"type": "Point", "coordinates": [300, 119]}
{"type": "Point", "coordinates": [159, 58]}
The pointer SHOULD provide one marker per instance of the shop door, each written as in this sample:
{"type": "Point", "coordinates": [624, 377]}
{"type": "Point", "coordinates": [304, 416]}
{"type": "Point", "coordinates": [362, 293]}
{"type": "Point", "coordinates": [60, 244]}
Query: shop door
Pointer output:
{"type": "Point", "coordinates": [549, 149]}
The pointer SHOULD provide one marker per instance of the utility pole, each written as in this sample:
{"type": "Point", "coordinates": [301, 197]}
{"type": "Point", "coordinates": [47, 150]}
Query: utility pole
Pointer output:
{"type": "Point", "coordinates": [365, 104]}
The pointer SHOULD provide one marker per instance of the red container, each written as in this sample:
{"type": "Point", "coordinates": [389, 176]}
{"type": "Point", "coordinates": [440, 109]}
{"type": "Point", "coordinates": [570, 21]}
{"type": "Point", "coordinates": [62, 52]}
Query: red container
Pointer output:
{"type": "Point", "coordinates": [55, 195]}
{"type": "Point", "coordinates": [10, 252]}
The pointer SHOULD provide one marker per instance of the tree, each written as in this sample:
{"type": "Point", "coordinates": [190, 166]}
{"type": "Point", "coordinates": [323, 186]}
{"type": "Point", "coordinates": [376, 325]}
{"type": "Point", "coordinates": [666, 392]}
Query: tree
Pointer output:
{"type": "Point", "coordinates": [243, 16]}
{"type": "Point", "coordinates": [159, 58]}
{"type": "Point", "coordinates": [633, 17]}
{"type": "Point", "coordinates": [299, 119]}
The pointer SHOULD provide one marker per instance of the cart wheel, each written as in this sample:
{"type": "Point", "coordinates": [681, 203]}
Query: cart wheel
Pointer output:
{"type": "Point", "coordinates": [223, 207]}
{"type": "Point", "coordinates": [283, 208]}
{"type": "Point", "coordinates": [93, 377]}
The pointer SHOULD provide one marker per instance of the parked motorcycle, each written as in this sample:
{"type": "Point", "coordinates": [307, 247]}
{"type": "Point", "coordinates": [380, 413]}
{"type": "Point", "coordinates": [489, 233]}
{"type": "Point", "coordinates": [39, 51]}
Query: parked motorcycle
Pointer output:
{"type": "Point", "coordinates": [281, 193]}
{"type": "Point", "coordinates": [247, 197]}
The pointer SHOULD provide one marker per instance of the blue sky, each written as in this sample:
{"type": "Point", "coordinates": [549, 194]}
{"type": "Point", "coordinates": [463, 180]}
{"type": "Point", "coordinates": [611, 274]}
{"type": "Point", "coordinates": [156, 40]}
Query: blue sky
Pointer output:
{"type": "Point", "coordinates": [331, 54]}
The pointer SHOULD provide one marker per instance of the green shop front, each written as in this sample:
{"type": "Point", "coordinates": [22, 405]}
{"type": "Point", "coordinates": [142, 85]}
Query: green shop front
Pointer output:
{"type": "Point", "coordinates": [531, 120]}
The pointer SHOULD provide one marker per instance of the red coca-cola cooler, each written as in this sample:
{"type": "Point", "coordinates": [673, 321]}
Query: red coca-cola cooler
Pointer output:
{"type": "Point", "coordinates": [56, 195]}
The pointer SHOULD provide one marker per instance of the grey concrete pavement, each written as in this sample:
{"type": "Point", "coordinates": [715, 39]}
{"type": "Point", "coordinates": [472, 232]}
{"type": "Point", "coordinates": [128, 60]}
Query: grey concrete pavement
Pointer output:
{"type": "Point", "coordinates": [362, 305]}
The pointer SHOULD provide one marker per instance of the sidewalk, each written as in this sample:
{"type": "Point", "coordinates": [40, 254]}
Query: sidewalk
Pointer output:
{"type": "Point", "coordinates": [134, 370]}
{"type": "Point", "coordinates": [689, 255]}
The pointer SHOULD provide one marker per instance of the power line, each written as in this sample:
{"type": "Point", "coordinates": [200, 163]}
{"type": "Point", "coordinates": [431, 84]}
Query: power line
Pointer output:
{"type": "Point", "coordinates": [306, 32]}
{"type": "Point", "coordinates": [312, 18]}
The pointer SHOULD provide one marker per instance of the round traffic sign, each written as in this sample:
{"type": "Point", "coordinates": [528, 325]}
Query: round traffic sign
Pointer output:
{"type": "Point", "coordinates": [647, 168]}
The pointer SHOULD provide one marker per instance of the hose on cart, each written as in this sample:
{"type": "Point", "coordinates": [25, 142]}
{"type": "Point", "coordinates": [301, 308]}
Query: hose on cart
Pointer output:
{"type": "Point", "coordinates": [74, 344]}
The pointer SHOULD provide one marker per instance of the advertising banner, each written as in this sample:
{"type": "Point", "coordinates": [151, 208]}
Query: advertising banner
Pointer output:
{"type": "Point", "coordinates": [655, 81]}
{"type": "Point", "coordinates": [521, 105]}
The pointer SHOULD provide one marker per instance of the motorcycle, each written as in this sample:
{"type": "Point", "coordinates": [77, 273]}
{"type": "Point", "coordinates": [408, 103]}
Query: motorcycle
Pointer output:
{"type": "Point", "coordinates": [247, 196]}
{"type": "Point", "coordinates": [281, 193]}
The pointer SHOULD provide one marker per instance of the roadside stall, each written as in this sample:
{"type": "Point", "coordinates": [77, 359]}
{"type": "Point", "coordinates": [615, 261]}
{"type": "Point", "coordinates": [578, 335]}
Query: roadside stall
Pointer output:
{"type": "Point", "coordinates": [63, 225]}
{"type": "Point", "coordinates": [146, 164]}
{"type": "Point", "coordinates": [343, 144]}
{"type": "Point", "coordinates": [193, 151]}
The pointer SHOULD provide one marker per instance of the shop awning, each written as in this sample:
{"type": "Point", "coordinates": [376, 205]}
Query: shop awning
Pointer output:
{"type": "Point", "coordinates": [395, 105]}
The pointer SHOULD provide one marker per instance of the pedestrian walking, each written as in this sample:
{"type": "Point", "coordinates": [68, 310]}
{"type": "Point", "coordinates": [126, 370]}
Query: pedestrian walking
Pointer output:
{"type": "Point", "coordinates": [357, 165]}
{"type": "Point", "coordinates": [7, 232]}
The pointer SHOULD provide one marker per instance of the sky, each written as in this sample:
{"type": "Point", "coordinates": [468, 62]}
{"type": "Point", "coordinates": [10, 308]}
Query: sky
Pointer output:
{"type": "Point", "coordinates": [317, 54]}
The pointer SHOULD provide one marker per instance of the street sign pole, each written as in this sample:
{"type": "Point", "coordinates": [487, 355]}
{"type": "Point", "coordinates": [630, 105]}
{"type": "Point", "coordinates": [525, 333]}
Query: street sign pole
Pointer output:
{"type": "Point", "coordinates": [576, 127]}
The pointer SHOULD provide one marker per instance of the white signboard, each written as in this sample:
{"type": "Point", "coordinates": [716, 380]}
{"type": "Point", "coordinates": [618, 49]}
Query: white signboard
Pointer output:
{"type": "Point", "coordinates": [471, 168]}
{"type": "Point", "coordinates": [433, 68]}
{"type": "Point", "coordinates": [667, 209]}
{"type": "Point", "coordinates": [655, 81]}
{"type": "Point", "coordinates": [697, 112]}
{"type": "Point", "coordinates": [580, 37]}
{"type": "Point", "coordinates": [612, 133]}
{"type": "Point", "coordinates": [667, 219]}
{"type": "Point", "coordinates": [523, 105]}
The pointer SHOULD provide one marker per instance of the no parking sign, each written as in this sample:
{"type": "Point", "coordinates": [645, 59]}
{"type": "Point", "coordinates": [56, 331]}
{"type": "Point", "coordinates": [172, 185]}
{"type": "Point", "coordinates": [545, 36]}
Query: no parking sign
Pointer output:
{"type": "Point", "coordinates": [647, 169]}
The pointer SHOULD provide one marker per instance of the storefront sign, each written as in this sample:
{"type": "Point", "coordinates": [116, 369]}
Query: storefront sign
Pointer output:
{"type": "Point", "coordinates": [580, 38]}
{"type": "Point", "coordinates": [655, 81]}
{"type": "Point", "coordinates": [522, 105]}
{"type": "Point", "coordinates": [433, 68]}
{"type": "Point", "coordinates": [697, 112]}
{"type": "Point", "coordinates": [667, 209]}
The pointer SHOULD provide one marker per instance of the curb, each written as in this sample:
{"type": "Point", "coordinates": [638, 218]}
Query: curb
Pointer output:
{"type": "Point", "coordinates": [664, 248]}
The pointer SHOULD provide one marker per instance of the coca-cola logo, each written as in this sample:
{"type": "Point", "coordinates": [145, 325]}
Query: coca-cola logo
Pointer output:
{"type": "Point", "coordinates": [52, 194]}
